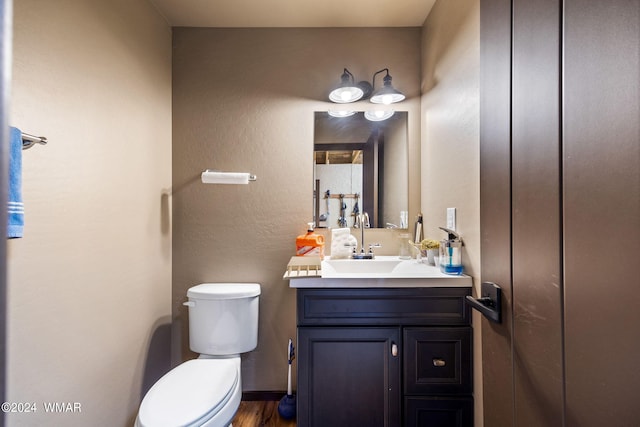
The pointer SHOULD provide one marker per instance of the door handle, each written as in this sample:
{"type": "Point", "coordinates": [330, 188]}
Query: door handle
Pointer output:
{"type": "Point", "coordinates": [490, 304]}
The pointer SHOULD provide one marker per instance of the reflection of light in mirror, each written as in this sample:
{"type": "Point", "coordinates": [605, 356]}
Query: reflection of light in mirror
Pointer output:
{"type": "Point", "coordinates": [378, 116]}
{"type": "Point", "coordinates": [346, 94]}
{"type": "Point", "coordinates": [334, 113]}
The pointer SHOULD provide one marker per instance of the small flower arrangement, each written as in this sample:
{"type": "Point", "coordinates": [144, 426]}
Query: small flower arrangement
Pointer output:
{"type": "Point", "coordinates": [429, 244]}
{"type": "Point", "coordinates": [428, 250]}
{"type": "Point", "coordinates": [426, 245]}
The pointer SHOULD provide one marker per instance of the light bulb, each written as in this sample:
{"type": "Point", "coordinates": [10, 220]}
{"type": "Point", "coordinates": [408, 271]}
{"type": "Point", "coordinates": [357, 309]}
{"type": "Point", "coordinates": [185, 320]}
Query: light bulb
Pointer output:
{"type": "Point", "coordinates": [346, 94]}
{"type": "Point", "coordinates": [378, 115]}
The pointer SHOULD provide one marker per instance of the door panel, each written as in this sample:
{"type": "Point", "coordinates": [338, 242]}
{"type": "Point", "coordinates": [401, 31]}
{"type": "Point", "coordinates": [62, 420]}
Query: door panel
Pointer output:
{"type": "Point", "coordinates": [495, 204]}
{"type": "Point", "coordinates": [536, 214]}
{"type": "Point", "coordinates": [602, 209]}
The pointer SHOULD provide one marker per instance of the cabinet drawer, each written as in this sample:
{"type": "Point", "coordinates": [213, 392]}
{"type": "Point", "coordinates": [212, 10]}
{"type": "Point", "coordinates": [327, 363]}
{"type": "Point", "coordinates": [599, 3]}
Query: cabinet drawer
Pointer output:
{"type": "Point", "coordinates": [383, 306]}
{"type": "Point", "coordinates": [438, 412]}
{"type": "Point", "coordinates": [437, 360]}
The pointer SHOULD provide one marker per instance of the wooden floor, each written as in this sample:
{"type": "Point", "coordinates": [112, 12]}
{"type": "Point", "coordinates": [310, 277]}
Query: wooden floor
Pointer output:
{"type": "Point", "coordinates": [259, 413]}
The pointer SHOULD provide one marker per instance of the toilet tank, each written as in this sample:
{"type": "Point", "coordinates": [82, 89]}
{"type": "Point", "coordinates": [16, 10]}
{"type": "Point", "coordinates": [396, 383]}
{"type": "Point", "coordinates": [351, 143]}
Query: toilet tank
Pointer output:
{"type": "Point", "coordinates": [223, 318]}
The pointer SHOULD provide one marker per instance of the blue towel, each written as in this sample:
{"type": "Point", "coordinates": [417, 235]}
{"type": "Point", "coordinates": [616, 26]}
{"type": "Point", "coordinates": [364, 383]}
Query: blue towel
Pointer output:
{"type": "Point", "coordinates": [16, 206]}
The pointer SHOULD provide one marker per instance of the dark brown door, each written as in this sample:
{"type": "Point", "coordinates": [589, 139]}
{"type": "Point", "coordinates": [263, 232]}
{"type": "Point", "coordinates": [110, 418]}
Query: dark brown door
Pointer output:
{"type": "Point", "coordinates": [560, 173]}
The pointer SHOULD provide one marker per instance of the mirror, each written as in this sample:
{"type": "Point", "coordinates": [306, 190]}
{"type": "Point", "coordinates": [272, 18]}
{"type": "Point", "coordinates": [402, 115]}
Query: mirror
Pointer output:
{"type": "Point", "coordinates": [360, 166]}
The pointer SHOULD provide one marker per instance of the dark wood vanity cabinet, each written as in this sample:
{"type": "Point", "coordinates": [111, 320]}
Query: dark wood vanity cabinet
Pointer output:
{"type": "Point", "coordinates": [384, 357]}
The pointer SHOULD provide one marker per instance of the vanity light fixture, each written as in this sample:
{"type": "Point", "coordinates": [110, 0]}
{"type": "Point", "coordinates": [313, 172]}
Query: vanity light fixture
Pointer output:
{"type": "Point", "coordinates": [347, 91]}
{"type": "Point", "coordinates": [350, 91]}
{"type": "Point", "coordinates": [387, 94]}
{"type": "Point", "coordinates": [378, 115]}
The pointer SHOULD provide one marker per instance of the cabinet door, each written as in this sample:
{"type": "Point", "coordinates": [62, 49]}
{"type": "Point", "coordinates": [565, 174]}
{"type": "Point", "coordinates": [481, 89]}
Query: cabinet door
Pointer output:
{"type": "Point", "coordinates": [348, 377]}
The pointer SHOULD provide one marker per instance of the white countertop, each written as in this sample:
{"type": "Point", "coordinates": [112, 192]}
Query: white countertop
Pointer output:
{"type": "Point", "coordinates": [314, 273]}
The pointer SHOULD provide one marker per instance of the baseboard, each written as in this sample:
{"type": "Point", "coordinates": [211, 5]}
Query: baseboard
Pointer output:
{"type": "Point", "coordinates": [263, 395]}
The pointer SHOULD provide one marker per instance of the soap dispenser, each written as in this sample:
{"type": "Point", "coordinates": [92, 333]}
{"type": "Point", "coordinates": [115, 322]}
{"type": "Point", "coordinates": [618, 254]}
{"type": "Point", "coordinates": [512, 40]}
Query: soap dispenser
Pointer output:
{"type": "Point", "coordinates": [310, 244]}
{"type": "Point", "coordinates": [451, 253]}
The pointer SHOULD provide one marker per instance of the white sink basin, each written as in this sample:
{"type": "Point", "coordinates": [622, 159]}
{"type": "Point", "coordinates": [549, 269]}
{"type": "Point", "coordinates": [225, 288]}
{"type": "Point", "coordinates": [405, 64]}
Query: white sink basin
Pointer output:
{"type": "Point", "coordinates": [359, 266]}
{"type": "Point", "coordinates": [381, 267]}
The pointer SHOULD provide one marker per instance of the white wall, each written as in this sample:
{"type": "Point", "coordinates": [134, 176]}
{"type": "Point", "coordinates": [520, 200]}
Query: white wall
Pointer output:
{"type": "Point", "coordinates": [450, 137]}
{"type": "Point", "coordinates": [91, 278]}
{"type": "Point", "coordinates": [339, 179]}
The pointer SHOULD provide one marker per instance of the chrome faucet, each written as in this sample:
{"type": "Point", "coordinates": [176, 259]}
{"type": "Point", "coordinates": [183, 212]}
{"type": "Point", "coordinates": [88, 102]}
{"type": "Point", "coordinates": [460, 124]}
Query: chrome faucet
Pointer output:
{"type": "Point", "coordinates": [363, 219]}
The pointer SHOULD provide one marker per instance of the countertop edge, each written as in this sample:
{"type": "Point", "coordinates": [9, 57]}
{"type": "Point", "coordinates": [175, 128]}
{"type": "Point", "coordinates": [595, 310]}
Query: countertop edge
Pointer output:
{"type": "Point", "coordinates": [431, 282]}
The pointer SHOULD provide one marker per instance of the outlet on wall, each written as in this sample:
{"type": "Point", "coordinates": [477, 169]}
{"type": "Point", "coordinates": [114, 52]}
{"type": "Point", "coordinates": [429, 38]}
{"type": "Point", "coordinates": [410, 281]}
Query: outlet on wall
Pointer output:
{"type": "Point", "coordinates": [451, 219]}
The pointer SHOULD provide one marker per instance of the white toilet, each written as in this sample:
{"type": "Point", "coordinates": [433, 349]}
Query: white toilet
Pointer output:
{"type": "Point", "coordinates": [223, 322]}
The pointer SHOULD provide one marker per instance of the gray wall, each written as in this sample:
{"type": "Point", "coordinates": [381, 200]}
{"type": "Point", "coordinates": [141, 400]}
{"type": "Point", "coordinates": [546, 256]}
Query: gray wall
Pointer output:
{"type": "Point", "coordinates": [450, 138]}
{"type": "Point", "coordinates": [244, 101]}
{"type": "Point", "coordinates": [89, 284]}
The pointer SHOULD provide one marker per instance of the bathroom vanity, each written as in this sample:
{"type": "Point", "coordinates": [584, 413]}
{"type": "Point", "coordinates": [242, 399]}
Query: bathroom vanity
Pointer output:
{"type": "Point", "coordinates": [385, 350]}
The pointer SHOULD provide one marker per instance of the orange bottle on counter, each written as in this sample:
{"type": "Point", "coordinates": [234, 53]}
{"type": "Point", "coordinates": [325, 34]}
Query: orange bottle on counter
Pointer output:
{"type": "Point", "coordinates": [310, 244]}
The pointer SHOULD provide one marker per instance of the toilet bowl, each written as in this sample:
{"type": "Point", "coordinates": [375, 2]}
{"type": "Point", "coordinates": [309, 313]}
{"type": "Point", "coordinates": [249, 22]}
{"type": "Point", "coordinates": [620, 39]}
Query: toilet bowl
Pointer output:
{"type": "Point", "coordinates": [199, 392]}
{"type": "Point", "coordinates": [206, 392]}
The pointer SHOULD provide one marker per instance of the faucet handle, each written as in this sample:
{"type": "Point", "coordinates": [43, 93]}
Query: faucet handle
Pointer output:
{"type": "Point", "coordinates": [374, 245]}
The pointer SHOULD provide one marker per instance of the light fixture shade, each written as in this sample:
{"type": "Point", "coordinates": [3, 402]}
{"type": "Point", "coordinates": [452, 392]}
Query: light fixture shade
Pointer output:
{"type": "Point", "coordinates": [341, 113]}
{"type": "Point", "coordinates": [346, 94]}
{"type": "Point", "coordinates": [387, 94]}
{"type": "Point", "coordinates": [347, 91]}
{"type": "Point", "coordinates": [378, 115]}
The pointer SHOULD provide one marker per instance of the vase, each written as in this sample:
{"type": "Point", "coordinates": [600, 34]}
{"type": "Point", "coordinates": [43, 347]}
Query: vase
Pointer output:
{"type": "Point", "coordinates": [432, 254]}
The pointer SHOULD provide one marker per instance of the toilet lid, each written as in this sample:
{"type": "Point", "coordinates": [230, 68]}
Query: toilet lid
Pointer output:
{"type": "Point", "coordinates": [192, 392]}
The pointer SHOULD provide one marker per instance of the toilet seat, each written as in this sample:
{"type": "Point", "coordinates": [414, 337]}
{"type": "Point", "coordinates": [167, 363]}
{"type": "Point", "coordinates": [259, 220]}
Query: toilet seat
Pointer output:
{"type": "Point", "coordinates": [190, 394]}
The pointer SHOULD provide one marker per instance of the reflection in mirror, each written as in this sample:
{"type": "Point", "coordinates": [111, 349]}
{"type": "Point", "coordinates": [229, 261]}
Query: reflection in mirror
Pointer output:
{"type": "Point", "coordinates": [360, 166]}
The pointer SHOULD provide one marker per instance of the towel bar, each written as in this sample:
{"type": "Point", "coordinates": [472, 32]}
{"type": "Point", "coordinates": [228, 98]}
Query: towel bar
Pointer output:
{"type": "Point", "coordinates": [29, 141]}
